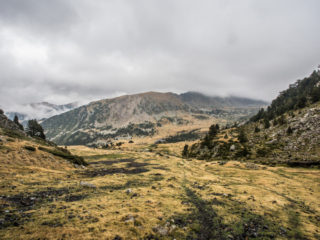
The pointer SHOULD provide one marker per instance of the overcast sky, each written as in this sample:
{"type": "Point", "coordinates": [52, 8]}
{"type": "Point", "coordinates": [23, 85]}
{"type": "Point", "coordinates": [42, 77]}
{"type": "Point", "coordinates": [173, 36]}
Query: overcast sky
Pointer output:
{"type": "Point", "coordinates": [80, 50]}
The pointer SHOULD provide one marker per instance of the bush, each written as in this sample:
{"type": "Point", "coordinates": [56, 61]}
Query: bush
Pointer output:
{"type": "Point", "coordinates": [64, 153]}
{"type": "Point", "coordinates": [242, 136]}
{"type": "Point", "coordinates": [30, 148]}
{"type": "Point", "coordinates": [262, 152]}
{"type": "Point", "coordinates": [256, 129]}
{"type": "Point", "coordinates": [1, 111]}
{"type": "Point", "coordinates": [282, 120]}
{"type": "Point", "coordinates": [289, 130]}
{"type": "Point", "coordinates": [185, 151]}
{"type": "Point", "coordinates": [244, 152]}
{"type": "Point", "coordinates": [266, 123]}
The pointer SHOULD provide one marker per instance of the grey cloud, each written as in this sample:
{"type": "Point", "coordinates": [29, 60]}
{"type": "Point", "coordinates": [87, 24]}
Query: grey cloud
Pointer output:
{"type": "Point", "coordinates": [65, 51]}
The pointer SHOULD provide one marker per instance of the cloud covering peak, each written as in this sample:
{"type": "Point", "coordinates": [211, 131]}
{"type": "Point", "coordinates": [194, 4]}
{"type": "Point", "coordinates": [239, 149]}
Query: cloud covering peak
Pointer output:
{"type": "Point", "coordinates": [77, 50]}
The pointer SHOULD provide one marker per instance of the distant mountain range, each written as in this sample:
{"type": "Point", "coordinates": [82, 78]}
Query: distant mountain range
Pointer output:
{"type": "Point", "coordinates": [40, 111]}
{"type": "Point", "coordinates": [130, 115]}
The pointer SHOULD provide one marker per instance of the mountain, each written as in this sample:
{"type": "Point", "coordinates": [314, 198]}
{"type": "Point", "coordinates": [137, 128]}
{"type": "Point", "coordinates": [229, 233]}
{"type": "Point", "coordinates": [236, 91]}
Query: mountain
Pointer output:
{"type": "Point", "coordinates": [40, 111]}
{"type": "Point", "coordinates": [288, 132]}
{"type": "Point", "coordinates": [128, 115]}
{"type": "Point", "coordinates": [201, 101]}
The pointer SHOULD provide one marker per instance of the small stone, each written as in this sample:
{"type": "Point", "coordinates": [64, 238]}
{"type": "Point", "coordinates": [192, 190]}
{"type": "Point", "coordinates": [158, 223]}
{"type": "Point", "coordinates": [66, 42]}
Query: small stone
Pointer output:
{"type": "Point", "coordinates": [128, 191]}
{"type": "Point", "coordinates": [86, 184]}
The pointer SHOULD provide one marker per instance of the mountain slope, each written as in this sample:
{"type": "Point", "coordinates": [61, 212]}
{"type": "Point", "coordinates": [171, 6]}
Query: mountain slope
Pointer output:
{"type": "Point", "coordinates": [128, 115]}
{"type": "Point", "coordinates": [106, 118]}
{"type": "Point", "coordinates": [288, 132]}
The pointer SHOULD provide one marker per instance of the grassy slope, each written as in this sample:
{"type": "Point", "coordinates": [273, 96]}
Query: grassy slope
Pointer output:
{"type": "Point", "coordinates": [198, 199]}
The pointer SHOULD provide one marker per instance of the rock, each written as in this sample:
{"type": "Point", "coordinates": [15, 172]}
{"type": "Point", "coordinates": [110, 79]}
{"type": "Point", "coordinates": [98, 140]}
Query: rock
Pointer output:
{"type": "Point", "coordinates": [252, 166]}
{"type": "Point", "coordinates": [161, 230]}
{"type": "Point", "coordinates": [128, 191]}
{"type": "Point", "coordinates": [222, 163]}
{"type": "Point", "coordinates": [232, 148]}
{"type": "Point", "coordinates": [271, 142]}
{"type": "Point", "coordinates": [128, 218]}
{"type": "Point", "coordinates": [160, 141]}
{"type": "Point", "coordinates": [88, 185]}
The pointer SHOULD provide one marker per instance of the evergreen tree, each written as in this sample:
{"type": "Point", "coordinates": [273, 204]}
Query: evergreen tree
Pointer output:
{"type": "Point", "coordinates": [1, 111]}
{"type": "Point", "coordinates": [34, 129]}
{"type": "Point", "coordinates": [185, 151]}
{"type": "Point", "coordinates": [315, 94]}
{"type": "Point", "coordinates": [266, 123]}
{"type": "Point", "coordinates": [213, 130]}
{"type": "Point", "coordinates": [282, 120]}
{"type": "Point", "coordinates": [206, 141]}
{"type": "Point", "coordinates": [302, 102]}
{"type": "Point", "coordinates": [242, 136]}
{"type": "Point", "coordinates": [256, 129]}
{"type": "Point", "coordinates": [16, 121]}
{"type": "Point", "coordinates": [289, 130]}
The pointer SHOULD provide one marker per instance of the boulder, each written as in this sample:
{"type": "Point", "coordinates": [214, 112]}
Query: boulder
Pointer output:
{"type": "Point", "coordinates": [88, 185]}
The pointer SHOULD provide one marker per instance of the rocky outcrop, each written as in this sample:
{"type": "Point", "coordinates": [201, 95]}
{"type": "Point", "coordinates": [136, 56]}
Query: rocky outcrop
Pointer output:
{"type": "Point", "coordinates": [7, 123]}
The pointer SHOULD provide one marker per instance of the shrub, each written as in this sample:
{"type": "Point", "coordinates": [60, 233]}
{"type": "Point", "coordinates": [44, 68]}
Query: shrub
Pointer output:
{"type": "Point", "coordinates": [30, 148]}
{"type": "Point", "coordinates": [262, 152]}
{"type": "Point", "coordinates": [185, 151]}
{"type": "Point", "coordinates": [256, 129]}
{"type": "Point", "coordinates": [266, 123]}
{"type": "Point", "coordinates": [289, 130]}
{"type": "Point", "coordinates": [64, 153]}
{"type": "Point", "coordinates": [244, 152]}
{"type": "Point", "coordinates": [242, 136]}
{"type": "Point", "coordinates": [1, 111]}
{"type": "Point", "coordinates": [282, 120]}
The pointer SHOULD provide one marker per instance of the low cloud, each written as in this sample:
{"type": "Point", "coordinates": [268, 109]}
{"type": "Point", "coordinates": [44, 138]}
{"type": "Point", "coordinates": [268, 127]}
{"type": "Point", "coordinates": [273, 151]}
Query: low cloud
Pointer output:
{"type": "Point", "coordinates": [66, 51]}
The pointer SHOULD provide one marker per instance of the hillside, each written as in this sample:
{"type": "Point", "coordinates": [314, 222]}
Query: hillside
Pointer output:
{"type": "Point", "coordinates": [286, 133]}
{"type": "Point", "coordinates": [130, 115]}
{"type": "Point", "coordinates": [134, 193]}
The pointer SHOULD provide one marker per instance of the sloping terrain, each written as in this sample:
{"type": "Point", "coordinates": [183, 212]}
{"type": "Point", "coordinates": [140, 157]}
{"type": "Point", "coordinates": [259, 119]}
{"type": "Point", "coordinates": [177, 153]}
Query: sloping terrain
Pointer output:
{"type": "Point", "coordinates": [132, 115]}
{"type": "Point", "coordinates": [286, 133]}
{"type": "Point", "coordinates": [134, 194]}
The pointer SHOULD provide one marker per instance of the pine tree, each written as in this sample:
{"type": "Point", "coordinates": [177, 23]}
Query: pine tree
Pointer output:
{"type": "Point", "coordinates": [242, 136]}
{"type": "Point", "coordinates": [185, 151]}
{"type": "Point", "coordinates": [16, 121]}
{"type": "Point", "coordinates": [35, 129]}
{"type": "Point", "coordinates": [289, 130]}
{"type": "Point", "coordinates": [213, 130]}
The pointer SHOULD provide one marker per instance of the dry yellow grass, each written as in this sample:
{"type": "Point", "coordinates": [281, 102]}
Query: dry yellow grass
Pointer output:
{"type": "Point", "coordinates": [162, 186]}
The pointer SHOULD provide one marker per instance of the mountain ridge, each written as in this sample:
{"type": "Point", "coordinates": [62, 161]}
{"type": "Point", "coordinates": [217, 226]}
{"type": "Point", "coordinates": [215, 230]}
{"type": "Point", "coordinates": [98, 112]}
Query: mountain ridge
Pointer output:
{"type": "Point", "coordinates": [108, 118]}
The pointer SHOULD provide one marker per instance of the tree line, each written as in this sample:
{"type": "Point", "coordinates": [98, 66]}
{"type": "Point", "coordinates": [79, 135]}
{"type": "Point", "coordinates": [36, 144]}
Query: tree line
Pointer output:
{"type": "Point", "coordinates": [299, 95]}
